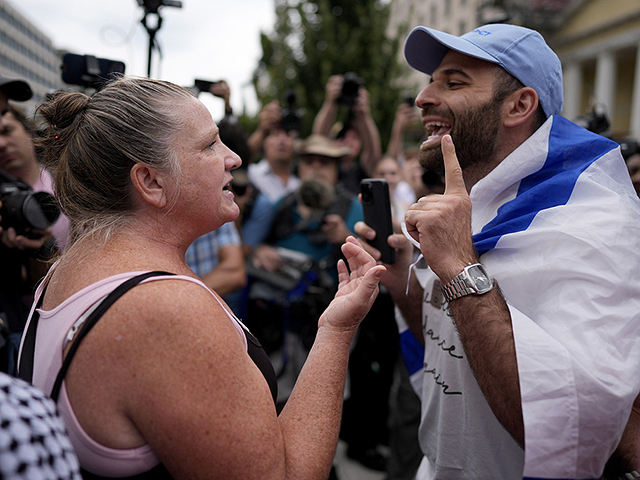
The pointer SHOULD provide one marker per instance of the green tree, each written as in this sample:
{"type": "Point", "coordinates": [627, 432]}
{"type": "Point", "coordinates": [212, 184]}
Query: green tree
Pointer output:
{"type": "Point", "coordinates": [314, 39]}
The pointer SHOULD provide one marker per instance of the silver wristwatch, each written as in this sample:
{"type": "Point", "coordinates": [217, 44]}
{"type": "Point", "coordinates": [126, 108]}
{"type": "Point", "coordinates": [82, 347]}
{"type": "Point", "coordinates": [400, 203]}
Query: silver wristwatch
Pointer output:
{"type": "Point", "coordinates": [474, 279]}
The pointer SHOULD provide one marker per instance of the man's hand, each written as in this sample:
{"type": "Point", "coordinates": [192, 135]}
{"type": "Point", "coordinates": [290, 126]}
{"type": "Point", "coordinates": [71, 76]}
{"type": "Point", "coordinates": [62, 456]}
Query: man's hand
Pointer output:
{"type": "Point", "coordinates": [396, 274]}
{"type": "Point", "coordinates": [221, 90]}
{"type": "Point", "coordinates": [334, 88]}
{"type": "Point", "coordinates": [406, 115]}
{"type": "Point", "coordinates": [361, 107]}
{"type": "Point", "coordinates": [270, 116]}
{"type": "Point", "coordinates": [334, 229]}
{"type": "Point", "coordinates": [442, 223]}
{"type": "Point", "coordinates": [265, 256]}
{"type": "Point", "coordinates": [11, 239]}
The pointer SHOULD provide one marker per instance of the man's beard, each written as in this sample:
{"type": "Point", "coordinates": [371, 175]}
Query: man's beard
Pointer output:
{"type": "Point", "coordinates": [474, 135]}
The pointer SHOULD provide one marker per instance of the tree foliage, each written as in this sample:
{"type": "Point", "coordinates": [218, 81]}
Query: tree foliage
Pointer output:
{"type": "Point", "coordinates": [314, 39]}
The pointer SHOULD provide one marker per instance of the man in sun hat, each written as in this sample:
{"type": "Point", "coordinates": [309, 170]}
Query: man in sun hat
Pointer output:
{"type": "Point", "coordinates": [522, 335]}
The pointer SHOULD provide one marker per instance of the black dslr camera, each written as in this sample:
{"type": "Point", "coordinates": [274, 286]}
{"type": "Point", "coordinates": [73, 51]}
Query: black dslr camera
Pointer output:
{"type": "Point", "coordinates": [350, 87]}
{"type": "Point", "coordinates": [28, 212]}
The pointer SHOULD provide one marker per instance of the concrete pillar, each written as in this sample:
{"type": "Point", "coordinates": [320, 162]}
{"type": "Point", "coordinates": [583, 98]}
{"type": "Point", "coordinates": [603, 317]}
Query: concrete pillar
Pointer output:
{"type": "Point", "coordinates": [605, 82]}
{"type": "Point", "coordinates": [572, 79]}
{"type": "Point", "coordinates": [635, 100]}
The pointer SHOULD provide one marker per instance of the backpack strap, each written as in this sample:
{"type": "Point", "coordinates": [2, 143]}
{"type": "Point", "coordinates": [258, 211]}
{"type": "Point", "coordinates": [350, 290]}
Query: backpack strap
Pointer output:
{"type": "Point", "coordinates": [93, 319]}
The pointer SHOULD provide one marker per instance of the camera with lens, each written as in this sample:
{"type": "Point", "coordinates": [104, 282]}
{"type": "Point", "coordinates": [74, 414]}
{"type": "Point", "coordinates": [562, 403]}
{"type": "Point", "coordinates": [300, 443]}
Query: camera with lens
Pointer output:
{"type": "Point", "coordinates": [291, 119]}
{"type": "Point", "coordinates": [28, 212]}
{"type": "Point", "coordinates": [350, 86]}
{"type": "Point", "coordinates": [596, 120]}
{"type": "Point", "coordinates": [89, 71]}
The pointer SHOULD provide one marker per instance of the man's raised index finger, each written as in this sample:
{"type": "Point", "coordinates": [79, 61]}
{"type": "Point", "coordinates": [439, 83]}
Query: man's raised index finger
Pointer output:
{"type": "Point", "coordinates": [454, 182]}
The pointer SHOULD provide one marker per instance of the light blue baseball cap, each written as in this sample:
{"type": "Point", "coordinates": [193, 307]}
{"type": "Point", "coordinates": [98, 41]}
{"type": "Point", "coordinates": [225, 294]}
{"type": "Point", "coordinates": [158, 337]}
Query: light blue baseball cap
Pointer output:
{"type": "Point", "coordinates": [520, 51]}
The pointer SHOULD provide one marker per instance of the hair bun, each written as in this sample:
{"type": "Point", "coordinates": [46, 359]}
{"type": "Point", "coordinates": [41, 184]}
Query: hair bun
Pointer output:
{"type": "Point", "coordinates": [61, 111]}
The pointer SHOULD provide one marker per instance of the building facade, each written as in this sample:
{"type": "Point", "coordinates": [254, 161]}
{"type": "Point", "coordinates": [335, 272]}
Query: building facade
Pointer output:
{"type": "Point", "coordinates": [599, 46]}
{"type": "Point", "coordinates": [28, 54]}
{"type": "Point", "coordinates": [451, 16]}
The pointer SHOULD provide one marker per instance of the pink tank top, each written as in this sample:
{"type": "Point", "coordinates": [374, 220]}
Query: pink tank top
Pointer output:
{"type": "Point", "coordinates": [53, 328]}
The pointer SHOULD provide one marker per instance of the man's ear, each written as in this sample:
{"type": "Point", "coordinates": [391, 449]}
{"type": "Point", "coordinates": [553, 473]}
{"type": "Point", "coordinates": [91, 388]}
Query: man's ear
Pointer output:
{"type": "Point", "coordinates": [520, 107]}
{"type": "Point", "coordinates": [149, 184]}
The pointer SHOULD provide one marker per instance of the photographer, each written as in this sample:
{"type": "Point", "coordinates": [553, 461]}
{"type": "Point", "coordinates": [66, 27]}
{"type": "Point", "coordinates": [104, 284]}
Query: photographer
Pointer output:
{"type": "Point", "coordinates": [273, 175]}
{"type": "Point", "coordinates": [24, 255]}
{"type": "Point", "coordinates": [358, 132]}
{"type": "Point", "coordinates": [313, 220]}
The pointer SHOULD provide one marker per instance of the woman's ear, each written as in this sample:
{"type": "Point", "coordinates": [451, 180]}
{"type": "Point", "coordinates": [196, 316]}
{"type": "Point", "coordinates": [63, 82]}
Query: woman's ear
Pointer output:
{"type": "Point", "coordinates": [149, 184]}
{"type": "Point", "coordinates": [520, 107]}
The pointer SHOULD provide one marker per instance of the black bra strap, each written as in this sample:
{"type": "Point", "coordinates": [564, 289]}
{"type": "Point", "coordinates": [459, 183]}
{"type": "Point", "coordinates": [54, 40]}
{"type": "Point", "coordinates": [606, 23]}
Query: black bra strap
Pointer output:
{"type": "Point", "coordinates": [27, 353]}
{"type": "Point", "coordinates": [92, 320]}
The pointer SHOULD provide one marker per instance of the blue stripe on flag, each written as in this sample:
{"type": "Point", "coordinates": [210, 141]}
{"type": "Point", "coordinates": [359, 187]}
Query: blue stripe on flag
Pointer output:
{"type": "Point", "coordinates": [412, 352]}
{"type": "Point", "coordinates": [571, 151]}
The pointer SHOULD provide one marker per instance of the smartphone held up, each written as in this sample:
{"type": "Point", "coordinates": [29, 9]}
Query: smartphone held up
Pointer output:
{"type": "Point", "coordinates": [376, 206]}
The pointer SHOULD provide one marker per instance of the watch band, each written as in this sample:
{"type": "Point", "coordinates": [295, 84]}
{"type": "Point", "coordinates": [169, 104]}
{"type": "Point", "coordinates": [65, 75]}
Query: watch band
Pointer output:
{"type": "Point", "coordinates": [456, 288]}
{"type": "Point", "coordinates": [474, 279]}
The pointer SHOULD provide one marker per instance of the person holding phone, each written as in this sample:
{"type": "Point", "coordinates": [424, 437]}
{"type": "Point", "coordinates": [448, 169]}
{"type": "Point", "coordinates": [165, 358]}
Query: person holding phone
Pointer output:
{"type": "Point", "coordinates": [530, 268]}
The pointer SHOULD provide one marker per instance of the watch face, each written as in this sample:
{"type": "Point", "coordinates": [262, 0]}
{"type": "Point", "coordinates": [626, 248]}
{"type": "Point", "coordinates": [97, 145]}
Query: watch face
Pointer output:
{"type": "Point", "coordinates": [479, 277]}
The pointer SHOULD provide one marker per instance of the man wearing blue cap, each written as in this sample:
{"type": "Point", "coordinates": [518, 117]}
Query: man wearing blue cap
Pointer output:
{"type": "Point", "coordinates": [522, 334]}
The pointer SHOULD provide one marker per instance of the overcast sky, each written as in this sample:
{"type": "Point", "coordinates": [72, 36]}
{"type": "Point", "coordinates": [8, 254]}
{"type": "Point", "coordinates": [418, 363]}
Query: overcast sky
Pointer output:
{"type": "Point", "coordinates": [208, 39]}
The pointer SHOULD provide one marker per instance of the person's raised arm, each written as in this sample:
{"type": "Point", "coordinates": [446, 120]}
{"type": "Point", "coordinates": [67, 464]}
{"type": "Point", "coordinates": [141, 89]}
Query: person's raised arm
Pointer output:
{"type": "Point", "coordinates": [326, 116]}
{"type": "Point", "coordinates": [269, 118]}
{"type": "Point", "coordinates": [405, 115]}
{"type": "Point", "coordinates": [367, 131]}
{"type": "Point", "coordinates": [442, 225]}
{"type": "Point", "coordinates": [221, 90]}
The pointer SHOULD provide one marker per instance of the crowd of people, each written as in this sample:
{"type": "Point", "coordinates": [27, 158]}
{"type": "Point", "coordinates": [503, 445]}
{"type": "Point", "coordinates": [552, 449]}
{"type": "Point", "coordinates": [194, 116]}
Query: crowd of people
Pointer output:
{"type": "Point", "coordinates": [502, 343]}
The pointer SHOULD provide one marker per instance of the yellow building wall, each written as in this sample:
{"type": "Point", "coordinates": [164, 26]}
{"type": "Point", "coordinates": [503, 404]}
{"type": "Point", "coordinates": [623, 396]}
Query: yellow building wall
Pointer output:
{"type": "Point", "coordinates": [594, 13]}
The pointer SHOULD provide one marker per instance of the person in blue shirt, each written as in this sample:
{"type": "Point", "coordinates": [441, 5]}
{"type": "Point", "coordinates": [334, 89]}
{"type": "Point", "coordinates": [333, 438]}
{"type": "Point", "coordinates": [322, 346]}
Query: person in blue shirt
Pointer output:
{"type": "Point", "coordinates": [319, 215]}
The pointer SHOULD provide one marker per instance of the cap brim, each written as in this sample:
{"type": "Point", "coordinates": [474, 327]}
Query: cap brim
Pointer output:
{"type": "Point", "coordinates": [335, 153]}
{"type": "Point", "coordinates": [425, 48]}
{"type": "Point", "coordinates": [18, 90]}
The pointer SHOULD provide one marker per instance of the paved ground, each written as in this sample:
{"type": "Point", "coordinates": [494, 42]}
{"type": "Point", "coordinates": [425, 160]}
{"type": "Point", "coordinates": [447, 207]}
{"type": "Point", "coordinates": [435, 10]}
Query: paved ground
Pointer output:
{"type": "Point", "coordinates": [347, 469]}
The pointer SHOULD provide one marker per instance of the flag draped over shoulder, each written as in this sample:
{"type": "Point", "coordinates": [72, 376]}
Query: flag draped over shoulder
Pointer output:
{"type": "Point", "coordinates": [571, 151]}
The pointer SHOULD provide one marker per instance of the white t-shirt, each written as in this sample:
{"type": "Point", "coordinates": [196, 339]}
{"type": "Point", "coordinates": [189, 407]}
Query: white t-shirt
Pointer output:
{"type": "Point", "coordinates": [261, 176]}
